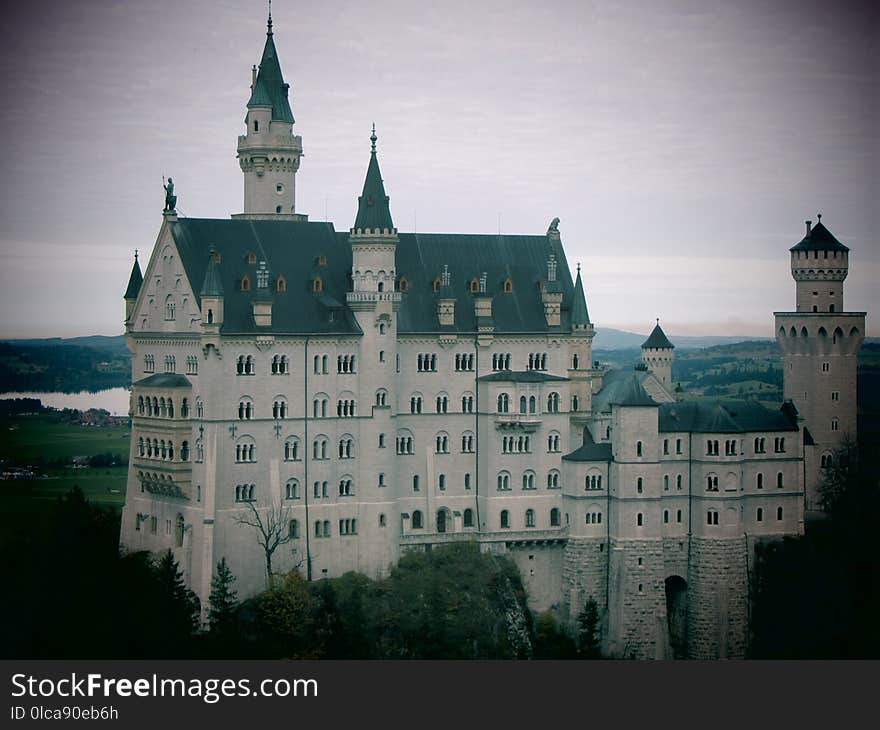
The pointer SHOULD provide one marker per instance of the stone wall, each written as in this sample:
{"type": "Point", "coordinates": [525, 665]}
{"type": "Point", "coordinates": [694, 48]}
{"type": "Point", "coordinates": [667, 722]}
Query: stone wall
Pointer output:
{"type": "Point", "coordinates": [717, 599]}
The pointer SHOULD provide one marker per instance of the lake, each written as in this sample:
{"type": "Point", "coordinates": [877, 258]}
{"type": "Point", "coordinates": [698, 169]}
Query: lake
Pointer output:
{"type": "Point", "coordinates": [114, 400]}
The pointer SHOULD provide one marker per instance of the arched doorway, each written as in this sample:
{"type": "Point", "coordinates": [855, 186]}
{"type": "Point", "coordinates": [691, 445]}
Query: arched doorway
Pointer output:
{"type": "Point", "coordinates": [441, 520]}
{"type": "Point", "coordinates": [676, 615]}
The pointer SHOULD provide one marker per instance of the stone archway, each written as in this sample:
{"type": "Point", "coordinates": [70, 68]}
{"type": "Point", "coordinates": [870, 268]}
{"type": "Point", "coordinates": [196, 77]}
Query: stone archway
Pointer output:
{"type": "Point", "coordinates": [444, 520]}
{"type": "Point", "coordinates": [676, 615]}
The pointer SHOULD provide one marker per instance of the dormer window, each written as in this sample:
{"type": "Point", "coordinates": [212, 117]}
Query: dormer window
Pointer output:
{"type": "Point", "coordinates": [317, 284]}
{"type": "Point", "coordinates": [321, 261]}
{"type": "Point", "coordinates": [475, 285]}
{"type": "Point", "coordinates": [245, 283]}
{"type": "Point", "coordinates": [404, 284]}
{"type": "Point", "coordinates": [252, 258]}
{"type": "Point", "coordinates": [281, 284]}
{"type": "Point", "coordinates": [508, 285]}
{"type": "Point", "coordinates": [436, 284]}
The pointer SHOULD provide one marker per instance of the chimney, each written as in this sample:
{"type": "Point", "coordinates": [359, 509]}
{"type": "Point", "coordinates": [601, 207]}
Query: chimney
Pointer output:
{"type": "Point", "coordinates": [253, 77]}
{"type": "Point", "coordinates": [809, 227]}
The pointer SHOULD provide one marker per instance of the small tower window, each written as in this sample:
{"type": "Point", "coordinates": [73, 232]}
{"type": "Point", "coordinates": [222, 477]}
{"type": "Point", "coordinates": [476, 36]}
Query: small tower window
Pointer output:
{"type": "Point", "coordinates": [281, 284]}
{"type": "Point", "coordinates": [436, 285]}
{"type": "Point", "coordinates": [404, 284]}
{"type": "Point", "coordinates": [508, 285]}
{"type": "Point", "coordinates": [475, 285]}
{"type": "Point", "coordinates": [252, 258]}
{"type": "Point", "coordinates": [256, 125]}
{"type": "Point", "coordinates": [277, 208]}
{"type": "Point", "coordinates": [279, 188]}
{"type": "Point", "coordinates": [245, 283]}
{"type": "Point", "coordinates": [317, 284]}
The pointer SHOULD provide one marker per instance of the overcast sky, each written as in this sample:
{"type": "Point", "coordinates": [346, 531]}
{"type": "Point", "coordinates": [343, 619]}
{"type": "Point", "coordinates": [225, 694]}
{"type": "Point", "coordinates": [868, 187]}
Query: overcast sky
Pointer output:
{"type": "Point", "coordinates": [681, 143]}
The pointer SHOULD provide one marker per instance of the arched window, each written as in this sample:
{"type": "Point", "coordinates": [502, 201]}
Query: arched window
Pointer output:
{"type": "Point", "coordinates": [530, 518]}
{"type": "Point", "coordinates": [640, 520]}
{"type": "Point", "coordinates": [779, 513]}
{"type": "Point", "coordinates": [404, 284]}
{"type": "Point", "coordinates": [523, 404]}
{"type": "Point", "coordinates": [554, 517]}
{"type": "Point", "coordinates": [553, 403]}
{"type": "Point", "coordinates": [291, 489]}
{"type": "Point", "coordinates": [184, 451]}
{"type": "Point", "coordinates": [505, 518]}
{"type": "Point", "coordinates": [293, 530]}
{"type": "Point", "coordinates": [245, 283]}
{"type": "Point", "coordinates": [759, 515]}
{"type": "Point", "coordinates": [503, 403]}
{"type": "Point", "coordinates": [291, 449]}
{"type": "Point", "coordinates": [317, 284]}
{"type": "Point", "coordinates": [639, 485]}
{"type": "Point", "coordinates": [553, 479]}
{"type": "Point", "coordinates": [417, 520]}
{"type": "Point", "coordinates": [508, 285]}
{"type": "Point", "coordinates": [179, 531]}
{"type": "Point", "coordinates": [638, 448]}
{"type": "Point", "coordinates": [779, 482]}
{"type": "Point", "coordinates": [468, 518]}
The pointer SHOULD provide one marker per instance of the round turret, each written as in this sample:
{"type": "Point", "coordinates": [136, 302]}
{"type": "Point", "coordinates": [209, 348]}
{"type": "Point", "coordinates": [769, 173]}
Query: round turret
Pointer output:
{"type": "Point", "coordinates": [819, 265]}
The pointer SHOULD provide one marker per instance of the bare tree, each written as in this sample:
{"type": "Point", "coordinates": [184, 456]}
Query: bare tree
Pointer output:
{"type": "Point", "coordinates": [273, 530]}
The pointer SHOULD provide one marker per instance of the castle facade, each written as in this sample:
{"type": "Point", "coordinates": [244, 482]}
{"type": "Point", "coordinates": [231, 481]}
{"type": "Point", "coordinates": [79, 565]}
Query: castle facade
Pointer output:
{"type": "Point", "coordinates": [367, 392]}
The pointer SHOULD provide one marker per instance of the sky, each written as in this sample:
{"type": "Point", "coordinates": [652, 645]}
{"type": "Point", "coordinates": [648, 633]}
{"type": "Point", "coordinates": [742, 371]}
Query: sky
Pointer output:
{"type": "Point", "coordinates": [682, 143]}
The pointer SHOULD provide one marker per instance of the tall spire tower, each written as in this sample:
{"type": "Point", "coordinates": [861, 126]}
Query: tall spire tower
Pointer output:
{"type": "Point", "coordinates": [820, 344]}
{"type": "Point", "coordinates": [269, 153]}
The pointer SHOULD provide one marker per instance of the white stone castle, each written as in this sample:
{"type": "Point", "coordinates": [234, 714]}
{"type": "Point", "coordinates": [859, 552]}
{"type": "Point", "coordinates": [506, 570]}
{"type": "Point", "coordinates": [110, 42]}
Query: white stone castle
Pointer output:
{"type": "Point", "coordinates": [382, 391]}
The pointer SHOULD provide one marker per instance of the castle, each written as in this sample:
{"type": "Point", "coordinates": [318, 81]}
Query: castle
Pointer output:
{"type": "Point", "coordinates": [369, 392]}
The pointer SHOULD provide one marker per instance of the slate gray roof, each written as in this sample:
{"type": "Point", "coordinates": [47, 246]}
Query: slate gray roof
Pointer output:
{"type": "Point", "coordinates": [819, 239]}
{"type": "Point", "coordinates": [590, 450]}
{"type": "Point", "coordinates": [294, 250]}
{"type": "Point", "coordinates": [579, 313]}
{"type": "Point", "coordinates": [134, 281]}
{"type": "Point", "coordinates": [422, 256]}
{"type": "Point", "coordinates": [270, 89]}
{"type": "Point", "coordinates": [723, 417]}
{"type": "Point", "coordinates": [614, 383]}
{"type": "Point", "coordinates": [164, 380]}
{"type": "Point", "coordinates": [519, 376]}
{"type": "Point", "coordinates": [373, 211]}
{"type": "Point", "coordinates": [212, 286]}
{"type": "Point", "coordinates": [657, 340]}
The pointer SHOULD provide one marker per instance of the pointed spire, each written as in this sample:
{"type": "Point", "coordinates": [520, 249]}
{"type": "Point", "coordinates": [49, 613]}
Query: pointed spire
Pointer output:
{"type": "Point", "coordinates": [579, 314]}
{"type": "Point", "coordinates": [269, 89]}
{"type": "Point", "coordinates": [212, 286]}
{"type": "Point", "coordinates": [135, 280]}
{"type": "Point", "coordinates": [657, 340]}
{"type": "Point", "coordinates": [373, 211]}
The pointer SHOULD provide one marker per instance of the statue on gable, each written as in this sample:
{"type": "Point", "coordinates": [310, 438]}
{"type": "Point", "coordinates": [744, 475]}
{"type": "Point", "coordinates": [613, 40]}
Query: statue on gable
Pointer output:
{"type": "Point", "coordinates": [554, 226]}
{"type": "Point", "coordinates": [170, 197]}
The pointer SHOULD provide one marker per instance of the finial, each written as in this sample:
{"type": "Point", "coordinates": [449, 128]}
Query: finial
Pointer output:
{"type": "Point", "coordinates": [579, 267]}
{"type": "Point", "coordinates": [269, 24]}
{"type": "Point", "coordinates": [373, 139]}
{"type": "Point", "coordinates": [819, 216]}
{"type": "Point", "coordinates": [135, 255]}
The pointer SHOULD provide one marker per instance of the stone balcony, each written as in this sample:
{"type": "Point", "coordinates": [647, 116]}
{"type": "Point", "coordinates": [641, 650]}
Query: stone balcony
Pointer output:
{"type": "Point", "coordinates": [509, 537]}
{"type": "Point", "coordinates": [528, 422]}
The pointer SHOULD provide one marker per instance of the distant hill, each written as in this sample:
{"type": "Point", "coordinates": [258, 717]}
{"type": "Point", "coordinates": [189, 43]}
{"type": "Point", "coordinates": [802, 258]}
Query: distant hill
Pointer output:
{"type": "Point", "coordinates": [611, 339]}
{"type": "Point", "coordinates": [113, 344]}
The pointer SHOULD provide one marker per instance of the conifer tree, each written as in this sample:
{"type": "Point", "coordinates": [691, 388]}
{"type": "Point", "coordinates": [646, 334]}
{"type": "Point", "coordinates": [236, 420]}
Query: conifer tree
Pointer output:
{"type": "Point", "coordinates": [223, 600]}
{"type": "Point", "coordinates": [588, 630]}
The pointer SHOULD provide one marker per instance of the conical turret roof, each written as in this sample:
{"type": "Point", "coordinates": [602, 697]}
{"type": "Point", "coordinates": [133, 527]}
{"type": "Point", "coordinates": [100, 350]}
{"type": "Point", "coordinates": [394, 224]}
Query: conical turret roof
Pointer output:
{"type": "Point", "coordinates": [135, 280]}
{"type": "Point", "coordinates": [579, 314]}
{"type": "Point", "coordinates": [373, 211]}
{"type": "Point", "coordinates": [269, 89]}
{"type": "Point", "coordinates": [819, 238]}
{"type": "Point", "coordinates": [212, 287]}
{"type": "Point", "coordinates": [657, 340]}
